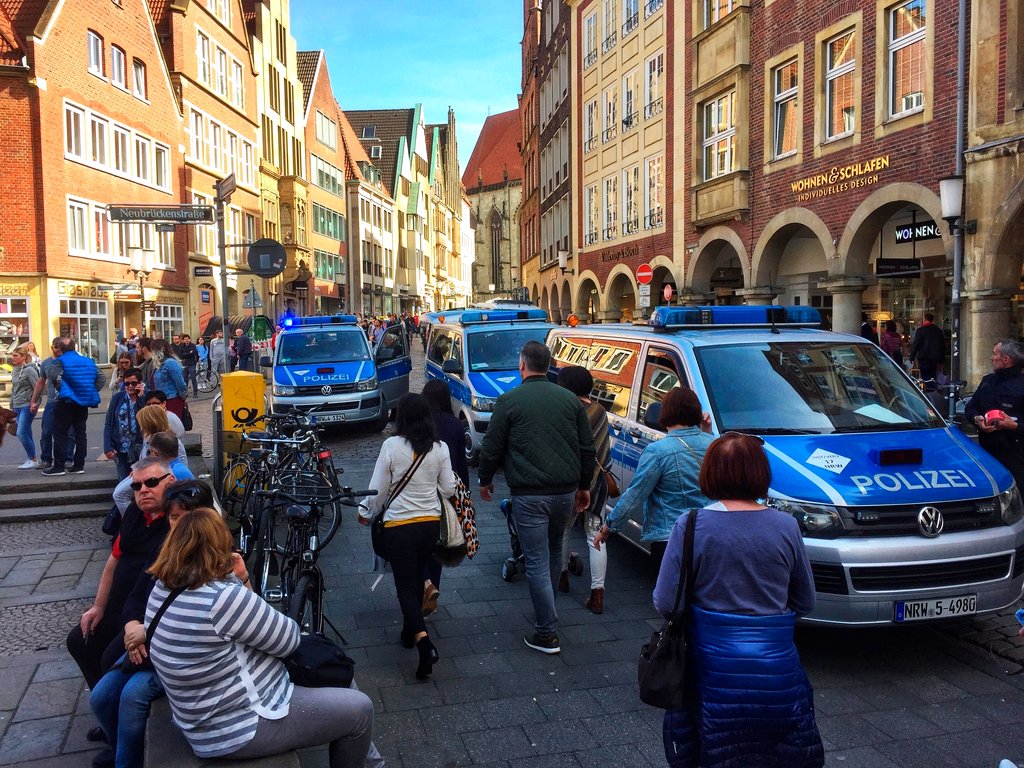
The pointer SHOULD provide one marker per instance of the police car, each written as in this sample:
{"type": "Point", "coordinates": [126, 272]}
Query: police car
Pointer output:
{"type": "Point", "coordinates": [329, 363]}
{"type": "Point", "coordinates": [476, 351]}
{"type": "Point", "coordinates": [904, 518]}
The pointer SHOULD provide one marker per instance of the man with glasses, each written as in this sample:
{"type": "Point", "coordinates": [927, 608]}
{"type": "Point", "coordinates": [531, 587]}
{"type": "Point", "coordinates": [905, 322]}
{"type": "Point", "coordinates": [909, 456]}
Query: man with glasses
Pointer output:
{"type": "Point", "coordinates": [122, 438]}
{"type": "Point", "coordinates": [95, 642]}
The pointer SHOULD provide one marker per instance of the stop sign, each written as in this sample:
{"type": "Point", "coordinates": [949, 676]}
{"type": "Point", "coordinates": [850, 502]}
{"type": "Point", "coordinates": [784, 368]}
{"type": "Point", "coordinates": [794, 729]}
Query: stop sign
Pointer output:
{"type": "Point", "coordinates": [644, 274]}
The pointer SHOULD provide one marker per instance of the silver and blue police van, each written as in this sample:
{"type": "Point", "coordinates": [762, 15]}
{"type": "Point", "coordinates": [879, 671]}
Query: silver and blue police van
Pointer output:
{"type": "Point", "coordinates": [328, 363]}
{"type": "Point", "coordinates": [903, 516]}
{"type": "Point", "coordinates": [476, 351]}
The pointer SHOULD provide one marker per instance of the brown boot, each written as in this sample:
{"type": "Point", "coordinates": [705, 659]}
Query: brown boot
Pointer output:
{"type": "Point", "coordinates": [596, 601]}
{"type": "Point", "coordinates": [563, 582]}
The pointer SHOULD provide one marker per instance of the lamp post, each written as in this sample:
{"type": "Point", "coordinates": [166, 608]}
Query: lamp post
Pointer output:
{"type": "Point", "coordinates": [951, 197]}
{"type": "Point", "coordinates": [140, 269]}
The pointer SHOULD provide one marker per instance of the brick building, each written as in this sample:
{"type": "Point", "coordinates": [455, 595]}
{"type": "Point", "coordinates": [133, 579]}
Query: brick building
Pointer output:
{"type": "Point", "coordinates": [528, 217]}
{"type": "Point", "coordinates": [89, 118]}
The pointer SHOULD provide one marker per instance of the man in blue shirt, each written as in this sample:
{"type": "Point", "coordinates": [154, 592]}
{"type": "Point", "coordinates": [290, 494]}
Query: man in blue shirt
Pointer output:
{"type": "Point", "coordinates": [81, 382]}
{"type": "Point", "coordinates": [49, 380]}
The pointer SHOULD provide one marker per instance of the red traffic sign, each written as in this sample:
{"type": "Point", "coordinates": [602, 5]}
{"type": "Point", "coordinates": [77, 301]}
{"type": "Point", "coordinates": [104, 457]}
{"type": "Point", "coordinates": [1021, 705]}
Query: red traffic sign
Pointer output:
{"type": "Point", "coordinates": [644, 274]}
{"type": "Point", "coordinates": [667, 292]}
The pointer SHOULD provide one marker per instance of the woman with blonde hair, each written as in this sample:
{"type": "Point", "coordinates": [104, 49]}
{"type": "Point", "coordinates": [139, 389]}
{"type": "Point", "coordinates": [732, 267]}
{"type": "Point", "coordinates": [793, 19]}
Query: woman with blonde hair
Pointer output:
{"type": "Point", "coordinates": [168, 375]}
{"type": "Point", "coordinates": [24, 376]}
{"type": "Point", "coordinates": [217, 638]}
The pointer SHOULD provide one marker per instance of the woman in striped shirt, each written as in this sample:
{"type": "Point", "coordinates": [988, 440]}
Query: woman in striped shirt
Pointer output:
{"type": "Point", "coordinates": [218, 651]}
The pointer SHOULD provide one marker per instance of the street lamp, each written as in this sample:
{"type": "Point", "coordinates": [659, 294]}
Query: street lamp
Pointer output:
{"type": "Point", "coordinates": [140, 269]}
{"type": "Point", "coordinates": [951, 199]}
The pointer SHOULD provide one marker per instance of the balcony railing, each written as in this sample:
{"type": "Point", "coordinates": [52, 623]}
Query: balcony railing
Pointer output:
{"type": "Point", "coordinates": [653, 219]}
{"type": "Point", "coordinates": [609, 232]}
{"type": "Point", "coordinates": [590, 59]}
{"type": "Point", "coordinates": [653, 108]}
{"type": "Point", "coordinates": [631, 23]}
{"type": "Point", "coordinates": [609, 133]}
{"type": "Point", "coordinates": [652, 7]}
{"type": "Point", "coordinates": [631, 227]}
{"type": "Point", "coordinates": [591, 238]}
{"type": "Point", "coordinates": [589, 144]}
{"type": "Point", "coordinates": [609, 43]}
{"type": "Point", "coordinates": [630, 122]}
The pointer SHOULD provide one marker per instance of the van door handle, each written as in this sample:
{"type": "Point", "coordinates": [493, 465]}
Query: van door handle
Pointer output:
{"type": "Point", "coordinates": [634, 432]}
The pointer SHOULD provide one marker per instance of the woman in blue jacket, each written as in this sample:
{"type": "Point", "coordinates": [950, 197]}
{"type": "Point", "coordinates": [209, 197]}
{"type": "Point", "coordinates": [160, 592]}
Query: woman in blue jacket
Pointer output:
{"type": "Point", "coordinates": [169, 376]}
{"type": "Point", "coordinates": [751, 701]}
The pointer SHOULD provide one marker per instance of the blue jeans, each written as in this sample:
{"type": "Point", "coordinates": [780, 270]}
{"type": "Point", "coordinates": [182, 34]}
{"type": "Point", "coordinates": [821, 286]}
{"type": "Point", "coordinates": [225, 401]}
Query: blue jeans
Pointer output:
{"type": "Point", "coordinates": [46, 435]}
{"type": "Point", "coordinates": [190, 376]}
{"type": "Point", "coordinates": [25, 417]}
{"type": "Point", "coordinates": [540, 522]}
{"type": "Point", "coordinates": [120, 701]}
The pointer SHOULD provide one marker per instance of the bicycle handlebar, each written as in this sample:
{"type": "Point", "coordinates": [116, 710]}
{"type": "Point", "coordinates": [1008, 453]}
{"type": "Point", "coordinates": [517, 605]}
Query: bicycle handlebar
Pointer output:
{"type": "Point", "coordinates": [347, 497]}
{"type": "Point", "coordinates": [278, 440]}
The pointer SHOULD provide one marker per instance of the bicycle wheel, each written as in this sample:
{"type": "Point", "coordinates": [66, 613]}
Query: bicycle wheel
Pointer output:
{"type": "Point", "coordinates": [306, 604]}
{"type": "Point", "coordinates": [234, 486]}
{"type": "Point", "coordinates": [208, 381]}
{"type": "Point", "coordinates": [264, 573]}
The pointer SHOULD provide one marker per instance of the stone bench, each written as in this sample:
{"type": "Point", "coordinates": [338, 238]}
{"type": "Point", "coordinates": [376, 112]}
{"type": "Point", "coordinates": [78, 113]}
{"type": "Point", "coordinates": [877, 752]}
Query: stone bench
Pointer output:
{"type": "Point", "coordinates": [166, 747]}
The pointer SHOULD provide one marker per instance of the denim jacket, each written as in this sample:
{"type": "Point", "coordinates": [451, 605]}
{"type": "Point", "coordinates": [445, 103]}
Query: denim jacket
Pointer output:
{"type": "Point", "coordinates": [665, 483]}
{"type": "Point", "coordinates": [169, 377]}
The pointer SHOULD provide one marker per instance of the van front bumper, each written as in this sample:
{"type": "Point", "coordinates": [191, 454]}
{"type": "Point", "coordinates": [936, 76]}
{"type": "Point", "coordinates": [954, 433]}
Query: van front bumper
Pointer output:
{"type": "Point", "coordinates": [354, 407]}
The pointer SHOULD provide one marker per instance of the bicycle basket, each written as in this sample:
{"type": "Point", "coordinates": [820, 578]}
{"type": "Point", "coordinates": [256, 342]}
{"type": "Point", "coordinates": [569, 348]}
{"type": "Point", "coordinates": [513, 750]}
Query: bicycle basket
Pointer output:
{"type": "Point", "coordinates": [307, 485]}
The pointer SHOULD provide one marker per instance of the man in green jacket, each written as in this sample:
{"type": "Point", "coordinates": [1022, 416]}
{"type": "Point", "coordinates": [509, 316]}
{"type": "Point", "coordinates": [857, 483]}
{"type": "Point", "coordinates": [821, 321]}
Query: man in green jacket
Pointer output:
{"type": "Point", "coordinates": [539, 431]}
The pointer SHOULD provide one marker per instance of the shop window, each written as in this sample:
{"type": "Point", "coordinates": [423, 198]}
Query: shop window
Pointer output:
{"type": "Point", "coordinates": [168, 320]}
{"type": "Point", "coordinates": [14, 324]}
{"type": "Point", "coordinates": [85, 321]}
{"type": "Point", "coordinates": [907, 26]}
{"type": "Point", "coordinates": [786, 116]}
{"type": "Point", "coordinates": [840, 70]}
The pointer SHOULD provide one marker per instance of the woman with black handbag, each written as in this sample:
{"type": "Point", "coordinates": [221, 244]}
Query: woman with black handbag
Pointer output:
{"type": "Point", "coordinates": [749, 700]}
{"type": "Point", "coordinates": [412, 468]}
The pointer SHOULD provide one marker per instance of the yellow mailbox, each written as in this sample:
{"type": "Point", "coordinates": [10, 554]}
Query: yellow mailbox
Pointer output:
{"type": "Point", "coordinates": [243, 398]}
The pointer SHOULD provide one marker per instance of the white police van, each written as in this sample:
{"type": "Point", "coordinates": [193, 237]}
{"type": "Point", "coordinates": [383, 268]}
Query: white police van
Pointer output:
{"type": "Point", "coordinates": [903, 516]}
{"type": "Point", "coordinates": [328, 362]}
{"type": "Point", "coordinates": [476, 351]}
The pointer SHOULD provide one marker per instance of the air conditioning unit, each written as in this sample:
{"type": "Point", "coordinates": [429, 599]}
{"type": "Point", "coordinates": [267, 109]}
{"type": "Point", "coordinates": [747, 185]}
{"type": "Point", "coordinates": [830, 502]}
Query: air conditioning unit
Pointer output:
{"type": "Point", "coordinates": [912, 101]}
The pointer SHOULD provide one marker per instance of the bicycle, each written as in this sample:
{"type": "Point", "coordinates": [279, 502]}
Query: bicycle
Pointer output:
{"type": "Point", "coordinates": [207, 378]}
{"type": "Point", "coordinates": [301, 579]}
{"type": "Point", "coordinates": [940, 394]}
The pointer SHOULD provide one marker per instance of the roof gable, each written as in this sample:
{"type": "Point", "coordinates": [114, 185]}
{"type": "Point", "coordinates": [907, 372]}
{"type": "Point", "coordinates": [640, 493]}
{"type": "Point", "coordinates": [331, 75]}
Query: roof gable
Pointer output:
{"type": "Point", "coordinates": [308, 66]}
{"type": "Point", "coordinates": [496, 152]}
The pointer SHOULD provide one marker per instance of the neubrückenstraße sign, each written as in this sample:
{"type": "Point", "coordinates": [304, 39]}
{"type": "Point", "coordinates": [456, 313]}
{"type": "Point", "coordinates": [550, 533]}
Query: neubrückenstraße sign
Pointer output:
{"type": "Point", "coordinates": [179, 214]}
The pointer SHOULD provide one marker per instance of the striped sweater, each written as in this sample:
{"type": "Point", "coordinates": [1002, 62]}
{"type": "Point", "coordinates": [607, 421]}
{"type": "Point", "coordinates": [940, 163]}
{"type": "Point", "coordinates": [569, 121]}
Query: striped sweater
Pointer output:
{"type": "Point", "coordinates": [218, 650]}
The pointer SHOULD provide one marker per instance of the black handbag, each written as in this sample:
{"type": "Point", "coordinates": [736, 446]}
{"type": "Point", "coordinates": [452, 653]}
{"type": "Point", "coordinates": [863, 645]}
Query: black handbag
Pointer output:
{"type": "Point", "coordinates": [147, 663]}
{"type": "Point", "coordinates": [661, 670]}
{"type": "Point", "coordinates": [320, 663]}
{"type": "Point", "coordinates": [377, 521]}
{"type": "Point", "coordinates": [186, 418]}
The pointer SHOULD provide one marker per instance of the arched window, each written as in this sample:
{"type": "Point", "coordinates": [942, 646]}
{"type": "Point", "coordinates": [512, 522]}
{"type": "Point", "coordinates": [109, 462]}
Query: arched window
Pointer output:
{"type": "Point", "coordinates": [496, 225]}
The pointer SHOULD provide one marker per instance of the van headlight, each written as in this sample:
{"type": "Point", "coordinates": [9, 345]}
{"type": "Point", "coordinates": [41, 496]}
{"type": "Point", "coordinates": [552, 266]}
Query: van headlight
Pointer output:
{"type": "Point", "coordinates": [820, 521]}
{"type": "Point", "coordinates": [367, 385]}
{"type": "Point", "coordinates": [1011, 508]}
{"type": "Point", "coordinates": [282, 391]}
{"type": "Point", "coordinates": [483, 404]}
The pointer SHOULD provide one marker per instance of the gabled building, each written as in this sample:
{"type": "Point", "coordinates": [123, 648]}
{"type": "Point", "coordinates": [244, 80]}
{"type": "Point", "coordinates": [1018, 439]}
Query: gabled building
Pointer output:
{"type": "Point", "coordinates": [494, 185]}
{"type": "Point", "coordinates": [90, 118]}
{"type": "Point", "coordinates": [206, 47]}
{"type": "Point", "coordinates": [449, 285]}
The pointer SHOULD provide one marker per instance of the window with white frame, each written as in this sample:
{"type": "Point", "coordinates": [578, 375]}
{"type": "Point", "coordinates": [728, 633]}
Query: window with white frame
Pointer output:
{"type": "Point", "coordinates": [247, 166]}
{"type": "Point", "coordinates": [168, 319]}
{"type": "Point", "coordinates": [611, 98]}
{"type": "Point", "coordinates": [221, 9]}
{"type": "Point", "coordinates": [139, 79]}
{"type": "Point", "coordinates": [98, 128]}
{"type": "Point", "coordinates": [249, 227]}
{"type": "Point", "coordinates": [785, 113]}
{"type": "Point", "coordinates": [610, 206]}
{"type": "Point", "coordinates": [719, 136]}
{"type": "Point", "coordinates": [14, 320]}
{"type": "Point", "coordinates": [716, 10]}
{"type": "Point", "coordinates": [326, 130]}
{"type": "Point", "coordinates": [376, 152]}
{"type": "Point", "coordinates": [654, 191]}
{"type": "Point", "coordinates": [85, 321]}
{"type": "Point", "coordinates": [234, 226]}
{"type": "Point", "coordinates": [95, 53]}
{"type": "Point", "coordinates": [610, 25]}
{"type": "Point", "coordinates": [654, 70]}
{"type": "Point", "coordinates": [590, 126]}
{"type": "Point", "coordinates": [630, 15]}
{"type": "Point", "coordinates": [120, 239]}
{"type": "Point", "coordinates": [142, 150]}
{"type": "Point", "coordinates": [203, 235]}
{"type": "Point", "coordinates": [78, 230]}
{"type": "Point", "coordinates": [221, 74]}
{"type": "Point", "coordinates": [630, 110]}
{"type": "Point", "coordinates": [907, 28]}
{"type": "Point", "coordinates": [840, 69]}
{"type": "Point", "coordinates": [122, 158]}
{"type": "Point", "coordinates": [631, 200]}
{"type": "Point", "coordinates": [589, 40]}
{"type": "Point", "coordinates": [196, 143]}
{"type": "Point", "coordinates": [592, 212]}
{"type": "Point", "coordinates": [164, 254]}
{"type": "Point", "coordinates": [100, 232]}
{"type": "Point", "coordinates": [237, 96]}
{"type": "Point", "coordinates": [203, 57]}
{"type": "Point", "coordinates": [74, 133]}
{"type": "Point", "coordinates": [327, 176]}
{"type": "Point", "coordinates": [118, 67]}
{"type": "Point", "coordinates": [161, 166]}
{"type": "Point", "coordinates": [216, 158]}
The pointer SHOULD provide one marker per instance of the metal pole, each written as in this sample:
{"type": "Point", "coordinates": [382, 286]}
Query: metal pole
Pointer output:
{"type": "Point", "coordinates": [221, 246]}
{"type": "Point", "coordinates": [252, 301]}
{"type": "Point", "coordinates": [958, 232]}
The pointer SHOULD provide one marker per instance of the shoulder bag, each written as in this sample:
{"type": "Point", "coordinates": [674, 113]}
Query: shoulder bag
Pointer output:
{"type": "Point", "coordinates": [377, 521]}
{"type": "Point", "coordinates": [661, 671]}
{"type": "Point", "coordinates": [320, 663]}
{"type": "Point", "coordinates": [147, 663]}
{"type": "Point", "coordinates": [451, 538]}
{"type": "Point", "coordinates": [186, 417]}
{"type": "Point", "coordinates": [611, 484]}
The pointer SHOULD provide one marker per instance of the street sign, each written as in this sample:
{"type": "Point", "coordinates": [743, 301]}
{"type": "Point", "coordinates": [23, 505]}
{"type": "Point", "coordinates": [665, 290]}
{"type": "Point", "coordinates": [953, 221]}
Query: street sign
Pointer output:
{"type": "Point", "coordinates": [225, 187]}
{"type": "Point", "coordinates": [118, 288]}
{"type": "Point", "coordinates": [644, 274]}
{"type": "Point", "coordinates": [202, 271]}
{"type": "Point", "coordinates": [164, 227]}
{"type": "Point", "coordinates": [644, 290]}
{"type": "Point", "coordinates": [267, 258]}
{"type": "Point", "coordinates": [667, 293]}
{"type": "Point", "coordinates": [252, 300]}
{"type": "Point", "coordinates": [149, 306]}
{"type": "Point", "coordinates": [179, 214]}
{"type": "Point", "coordinates": [645, 301]}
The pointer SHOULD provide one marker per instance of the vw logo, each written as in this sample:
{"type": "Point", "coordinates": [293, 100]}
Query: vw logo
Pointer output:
{"type": "Point", "coordinates": [326, 389]}
{"type": "Point", "coordinates": [930, 521]}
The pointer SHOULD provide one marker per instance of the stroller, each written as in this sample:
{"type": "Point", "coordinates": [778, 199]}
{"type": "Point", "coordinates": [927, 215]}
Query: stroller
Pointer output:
{"type": "Point", "coordinates": [517, 562]}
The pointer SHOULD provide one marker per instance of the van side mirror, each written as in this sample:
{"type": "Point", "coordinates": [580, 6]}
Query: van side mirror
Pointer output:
{"type": "Point", "coordinates": [265, 362]}
{"type": "Point", "coordinates": [451, 365]}
{"type": "Point", "coordinates": [652, 416]}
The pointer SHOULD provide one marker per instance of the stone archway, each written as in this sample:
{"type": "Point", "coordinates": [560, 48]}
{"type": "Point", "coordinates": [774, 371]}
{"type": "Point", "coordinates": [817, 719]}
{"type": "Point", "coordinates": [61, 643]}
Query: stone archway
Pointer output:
{"type": "Point", "coordinates": [587, 305]}
{"type": "Point", "coordinates": [718, 269]}
{"type": "Point", "coordinates": [791, 259]}
{"type": "Point", "coordinates": [565, 303]}
{"type": "Point", "coordinates": [543, 301]}
{"type": "Point", "coordinates": [620, 296]}
{"type": "Point", "coordinates": [664, 274]}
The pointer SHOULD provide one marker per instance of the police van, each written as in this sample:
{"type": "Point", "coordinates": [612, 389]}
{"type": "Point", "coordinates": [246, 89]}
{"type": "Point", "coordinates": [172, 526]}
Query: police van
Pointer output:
{"type": "Point", "coordinates": [476, 351]}
{"type": "Point", "coordinates": [329, 363]}
{"type": "Point", "coordinates": [903, 516]}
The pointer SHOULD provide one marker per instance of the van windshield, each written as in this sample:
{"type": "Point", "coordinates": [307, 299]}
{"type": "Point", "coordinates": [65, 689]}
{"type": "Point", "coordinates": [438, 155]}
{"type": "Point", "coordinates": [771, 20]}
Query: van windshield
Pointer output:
{"type": "Point", "coordinates": [811, 388]}
{"type": "Point", "coordinates": [498, 350]}
{"type": "Point", "coordinates": [298, 348]}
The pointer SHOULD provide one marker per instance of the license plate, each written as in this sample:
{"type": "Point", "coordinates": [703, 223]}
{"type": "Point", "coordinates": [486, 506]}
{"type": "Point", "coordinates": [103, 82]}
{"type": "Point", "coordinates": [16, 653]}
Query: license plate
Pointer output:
{"type": "Point", "coordinates": [327, 417]}
{"type": "Point", "coordinates": [918, 610]}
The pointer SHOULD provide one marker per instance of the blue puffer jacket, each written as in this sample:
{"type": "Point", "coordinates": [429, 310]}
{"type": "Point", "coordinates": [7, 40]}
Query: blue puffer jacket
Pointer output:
{"type": "Point", "coordinates": [81, 380]}
{"type": "Point", "coordinates": [753, 704]}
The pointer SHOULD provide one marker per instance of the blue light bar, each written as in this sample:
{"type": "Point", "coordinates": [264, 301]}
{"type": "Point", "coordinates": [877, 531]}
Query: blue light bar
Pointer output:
{"type": "Point", "coordinates": [670, 318]}
{"type": "Point", "coordinates": [293, 322]}
{"type": "Point", "coordinates": [502, 315]}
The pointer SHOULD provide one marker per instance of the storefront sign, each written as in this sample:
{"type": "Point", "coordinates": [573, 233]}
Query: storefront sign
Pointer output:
{"type": "Point", "coordinates": [79, 290]}
{"type": "Point", "coordinates": [629, 252]}
{"type": "Point", "coordinates": [204, 297]}
{"type": "Point", "coordinates": [840, 178]}
{"type": "Point", "coordinates": [912, 233]}
{"type": "Point", "coordinates": [13, 289]}
{"type": "Point", "coordinates": [898, 267]}
{"type": "Point", "coordinates": [168, 298]}
{"type": "Point", "coordinates": [202, 271]}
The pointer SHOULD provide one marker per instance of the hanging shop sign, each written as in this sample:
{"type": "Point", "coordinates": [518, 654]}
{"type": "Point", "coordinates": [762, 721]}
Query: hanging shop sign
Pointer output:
{"type": "Point", "coordinates": [913, 233]}
{"type": "Point", "coordinates": [897, 267]}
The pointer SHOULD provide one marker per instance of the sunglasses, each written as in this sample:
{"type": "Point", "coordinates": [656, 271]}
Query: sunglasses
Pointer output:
{"type": "Point", "coordinates": [760, 440]}
{"type": "Point", "coordinates": [133, 383]}
{"type": "Point", "coordinates": [149, 482]}
{"type": "Point", "coordinates": [181, 495]}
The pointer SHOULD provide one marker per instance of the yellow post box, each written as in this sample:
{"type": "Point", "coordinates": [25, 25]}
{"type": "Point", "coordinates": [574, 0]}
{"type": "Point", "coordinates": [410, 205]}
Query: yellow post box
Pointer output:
{"type": "Point", "coordinates": [243, 394]}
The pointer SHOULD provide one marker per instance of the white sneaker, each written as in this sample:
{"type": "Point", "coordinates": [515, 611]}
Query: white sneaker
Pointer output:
{"type": "Point", "coordinates": [29, 464]}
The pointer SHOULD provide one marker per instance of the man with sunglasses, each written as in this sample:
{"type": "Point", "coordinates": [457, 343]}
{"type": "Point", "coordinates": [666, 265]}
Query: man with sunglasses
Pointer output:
{"type": "Point", "coordinates": [95, 642]}
{"type": "Point", "coordinates": [122, 438]}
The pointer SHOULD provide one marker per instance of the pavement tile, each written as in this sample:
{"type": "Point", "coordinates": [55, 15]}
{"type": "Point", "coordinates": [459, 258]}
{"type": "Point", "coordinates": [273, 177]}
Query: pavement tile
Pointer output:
{"type": "Point", "coordinates": [33, 740]}
{"type": "Point", "coordinates": [616, 757]}
{"type": "Point", "coordinates": [511, 743]}
{"type": "Point", "coordinates": [390, 727]}
{"type": "Point", "coordinates": [69, 564]}
{"type": "Point", "coordinates": [481, 664]}
{"type": "Point", "coordinates": [452, 719]}
{"type": "Point", "coordinates": [998, 709]}
{"type": "Point", "coordinates": [54, 584]}
{"type": "Point", "coordinates": [888, 696]}
{"type": "Point", "coordinates": [49, 699]}
{"type": "Point", "coordinates": [408, 697]}
{"type": "Point", "coordinates": [16, 679]}
{"type": "Point", "coordinates": [618, 698]}
{"type": "Point", "coordinates": [954, 717]}
{"type": "Point", "coordinates": [838, 701]}
{"type": "Point", "coordinates": [626, 727]}
{"type": "Point", "coordinates": [860, 757]}
{"type": "Point", "coordinates": [23, 577]}
{"type": "Point", "coordinates": [465, 690]}
{"type": "Point", "coordinates": [514, 710]}
{"type": "Point", "coordinates": [569, 705]}
{"type": "Point", "coordinates": [902, 724]}
{"type": "Point", "coordinates": [442, 750]}
{"type": "Point", "coordinates": [5, 720]}
{"type": "Point", "coordinates": [56, 670]}
{"type": "Point", "coordinates": [524, 683]}
{"type": "Point", "coordinates": [976, 748]}
{"type": "Point", "coordinates": [76, 740]}
{"type": "Point", "coordinates": [919, 753]}
{"type": "Point", "coordinates": [850, 731]}
{"type": "Point", "coordinates": [558, 736]}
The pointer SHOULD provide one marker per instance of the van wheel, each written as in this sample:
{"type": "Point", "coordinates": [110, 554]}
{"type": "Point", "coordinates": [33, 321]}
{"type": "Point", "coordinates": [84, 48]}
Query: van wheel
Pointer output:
{"type": "Point", "coordinates": [472, 454]}
{"type": "Point", "coordinates": [382, 420]}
